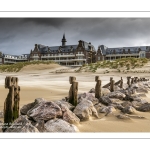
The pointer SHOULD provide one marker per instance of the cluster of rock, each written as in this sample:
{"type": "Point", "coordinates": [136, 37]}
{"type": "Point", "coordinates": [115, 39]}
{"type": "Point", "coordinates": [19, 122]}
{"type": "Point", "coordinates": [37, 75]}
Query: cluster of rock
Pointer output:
{"type": "Point", "coordinates": [61, 116]}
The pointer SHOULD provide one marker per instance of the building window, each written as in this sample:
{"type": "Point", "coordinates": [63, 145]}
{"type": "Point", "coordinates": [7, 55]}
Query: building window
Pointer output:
{"type": "Point", "coordinates": [98, 57]}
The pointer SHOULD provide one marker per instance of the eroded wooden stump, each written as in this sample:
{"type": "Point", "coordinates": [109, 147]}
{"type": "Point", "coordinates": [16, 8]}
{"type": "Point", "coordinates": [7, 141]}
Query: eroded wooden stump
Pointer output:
{"type": "Point", "coordinates": [73, 92]}
{"type": "Point", "coordinates": [98, 87]}
{"type": "Point", "coordinates": [11, 104]}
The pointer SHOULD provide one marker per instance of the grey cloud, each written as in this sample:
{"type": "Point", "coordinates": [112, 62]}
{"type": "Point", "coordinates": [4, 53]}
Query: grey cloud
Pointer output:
{"type": "Point", "coordinates": [18, 35]}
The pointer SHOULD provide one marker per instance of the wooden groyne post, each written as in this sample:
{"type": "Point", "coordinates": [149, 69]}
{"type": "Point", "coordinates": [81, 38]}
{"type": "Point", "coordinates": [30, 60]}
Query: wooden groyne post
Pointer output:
{"type": "Point", "coordinates": [98, 87]}
{"type": "Point", "coordinates": [73, 92]}
{"type": "Point", "coordinates": [129, 81]}
{"type": "Point", "coordinates": [112, 83]}
{"type": "Point", "coordinates": [121, 83]}
{"type": "Point", "coordinates": [11, 104]}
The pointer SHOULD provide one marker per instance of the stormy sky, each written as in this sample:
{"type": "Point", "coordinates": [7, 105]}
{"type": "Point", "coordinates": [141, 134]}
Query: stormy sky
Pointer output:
{"type": "Point", "coordinates": [18, 35]}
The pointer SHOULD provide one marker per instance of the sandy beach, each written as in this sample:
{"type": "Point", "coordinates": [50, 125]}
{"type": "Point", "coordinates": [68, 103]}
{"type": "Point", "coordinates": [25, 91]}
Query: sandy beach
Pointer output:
{"type": "Point", "coordinates": [43, 81]}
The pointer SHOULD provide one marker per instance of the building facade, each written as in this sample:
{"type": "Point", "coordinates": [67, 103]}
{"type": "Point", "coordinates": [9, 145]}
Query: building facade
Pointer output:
{"type": "Point", "coordinates": [69, 55]}
{"type": "Point", "coordinates": [105, 53]}
{"type": "Point", "coordinates": [11, 59]}
{"type": "Point", "coordinates": [76, 55]}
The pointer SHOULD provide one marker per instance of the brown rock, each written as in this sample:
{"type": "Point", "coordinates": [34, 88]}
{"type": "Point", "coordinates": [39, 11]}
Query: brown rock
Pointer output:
{"type": "Point", "coordinates": [45, 111]}
{"type": "Point", "coordinates": [22, 124]}
{"type": "Point", "coordinates": [85, 109]}
{"type": "Point", "coordinates": [59, 125]}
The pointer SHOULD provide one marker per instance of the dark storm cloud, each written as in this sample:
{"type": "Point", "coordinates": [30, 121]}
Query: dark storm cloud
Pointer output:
{"type": "Point", "coordinates": [18, 35]}
{"type": "Point", "coordinates": [56, 22]}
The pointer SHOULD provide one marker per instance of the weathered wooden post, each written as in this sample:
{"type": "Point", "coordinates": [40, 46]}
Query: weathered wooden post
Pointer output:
{"type": "Point", "coordinates": [111, 78]}
{"type": "Point", "coordinates": [11, 104]}
{"type": "Point", "coordinates": [135, 79]}
{"type": "Point", "coordinates": [73, 98]}
{"type": "Point", "coordinates": [121, 83]}
{"type": "Point", "coordinates": [132, 80]}
{"type": "Point", "coordinates": [97, 87]}
{"type": "Point", "coordinates": [112, 82]}
{"type": "Point", "coordinates": [129, 81]}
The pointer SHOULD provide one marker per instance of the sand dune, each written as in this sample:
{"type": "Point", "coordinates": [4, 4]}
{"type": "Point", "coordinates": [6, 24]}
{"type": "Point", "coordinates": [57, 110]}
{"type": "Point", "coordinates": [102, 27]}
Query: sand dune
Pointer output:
{"type": "Point", "coordinates": [40, 81]}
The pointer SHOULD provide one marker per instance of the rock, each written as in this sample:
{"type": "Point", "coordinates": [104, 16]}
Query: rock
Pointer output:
{"type": "Point", "coordinates": [92, 90]}
{"type": "Point", "coordinates": [88, 96]}
{"type": "Point", "coordinates": [98, 106]}
{"type": "Point", "coordinates": [142, 95]}
{"type": "Point", "coordinates": [124, 117]}
{"type": "Point", "coordinates": [125, 85]}
{"type": "Point", "coordinates": [141, 90]}
{"type": "Point", "coordinates": [85, 109]}
{"type": "Point", "coordinates": [105, 100]}
{"type": "Point", "coordinates": [126, 104]}
{"type": "Point", "coordinates": [68, 115]}
{"type": "Point", "coordinates": [116, 106]}
{"type": "Point", "coordinates": [116, 94]}
{"type": "Point", "coordinates": [128, 110]}
{"type": "Point", "coordinates": [67, 104]}
{"type": "Point", "coordinates": [137, 104]}
{"type": "Point", "coordinates": [45, 111]}
{"type": "Point", "coordinates": [107, 110]}
{"type": "Point", "coordinates": [22, 124]}
{"type": "Point", "coordinates": [27, 107]}
{"type": "Point", "coordinates": [144, 107]}
{"type": "Point", "coordinates": [59, 125]}
{"type": "Point", "coordinates": [39, 125]}
{"type": "Point", "coordinates": [116, 88]}
{"type": "Point", "coordinates": [105, 91]}
{"type": "Point", "coordinates": [1, 114]}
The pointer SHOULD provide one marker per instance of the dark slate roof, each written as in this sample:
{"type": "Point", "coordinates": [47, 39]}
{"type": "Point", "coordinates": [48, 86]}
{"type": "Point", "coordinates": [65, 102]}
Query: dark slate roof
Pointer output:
{"type": "Point", "coordinates": [67, 48]}
{"type": "Point", "coordinates": [45, 49]}
{"type": "Point", "coordinates": [105, 50]}
{"type": "Point", "coordinates": [88, 45]}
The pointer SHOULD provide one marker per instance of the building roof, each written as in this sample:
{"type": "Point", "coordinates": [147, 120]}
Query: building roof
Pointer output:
{"type": "Point", "coordinates": [106, 51]}
{"type": "Point", "coordinates": [54, 49]}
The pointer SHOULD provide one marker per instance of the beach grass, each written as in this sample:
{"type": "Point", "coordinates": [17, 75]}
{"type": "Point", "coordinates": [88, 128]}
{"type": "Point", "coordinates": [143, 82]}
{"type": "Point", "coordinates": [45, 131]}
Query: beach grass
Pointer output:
{"type": "Point", "coordinates": [18, 66]}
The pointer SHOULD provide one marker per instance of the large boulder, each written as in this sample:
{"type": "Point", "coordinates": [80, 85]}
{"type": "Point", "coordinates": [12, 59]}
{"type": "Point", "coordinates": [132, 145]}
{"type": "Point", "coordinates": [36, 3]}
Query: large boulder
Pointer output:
{"type": "Point", "coordinates": [123, 117]}
{"type": "Point", "coordinates": [92, 90]}
{"type": "Point", "coordinates": [67, 104]}
{"type": "Point", "coordinates": [141, 90]}
{"type": "Point", "coordinates": [107, 110]}
{"type": "Point", "coordinates": [105, 91]}
{"type": "Point", "coordinates": [145, 107]}
{"type": "Point", "coordinates": [105, 100]}
{"type": "Point", "coordinates": [116, 106]}
{"type": "Point", "coordinates": [45, 111]}
{"type": "Point", "coordinates": [126, 104]}
{"type": "Point", "coordinates": [39, 125]}
{"type": "Point", "coordinates": [27, 107]}
{"type": "Point", "coordinates": [68, 115]}
{"type": "Point", "coordinates": [129, 110]}
{"type": "Point", "coordinates": [88, 96]}
{"type": "Point", "coordinates": [22, 124]}
{"type": "Point", "coordinates": [125, 85]}
{"type": "Point", "coordinates": [85, 109]}
{"type": "Point", "coordinates": [137, 104]}
{"type": "Point", "coordinates": [116, 94]}
{"type": "Point", "coordinates": [59, 125]}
